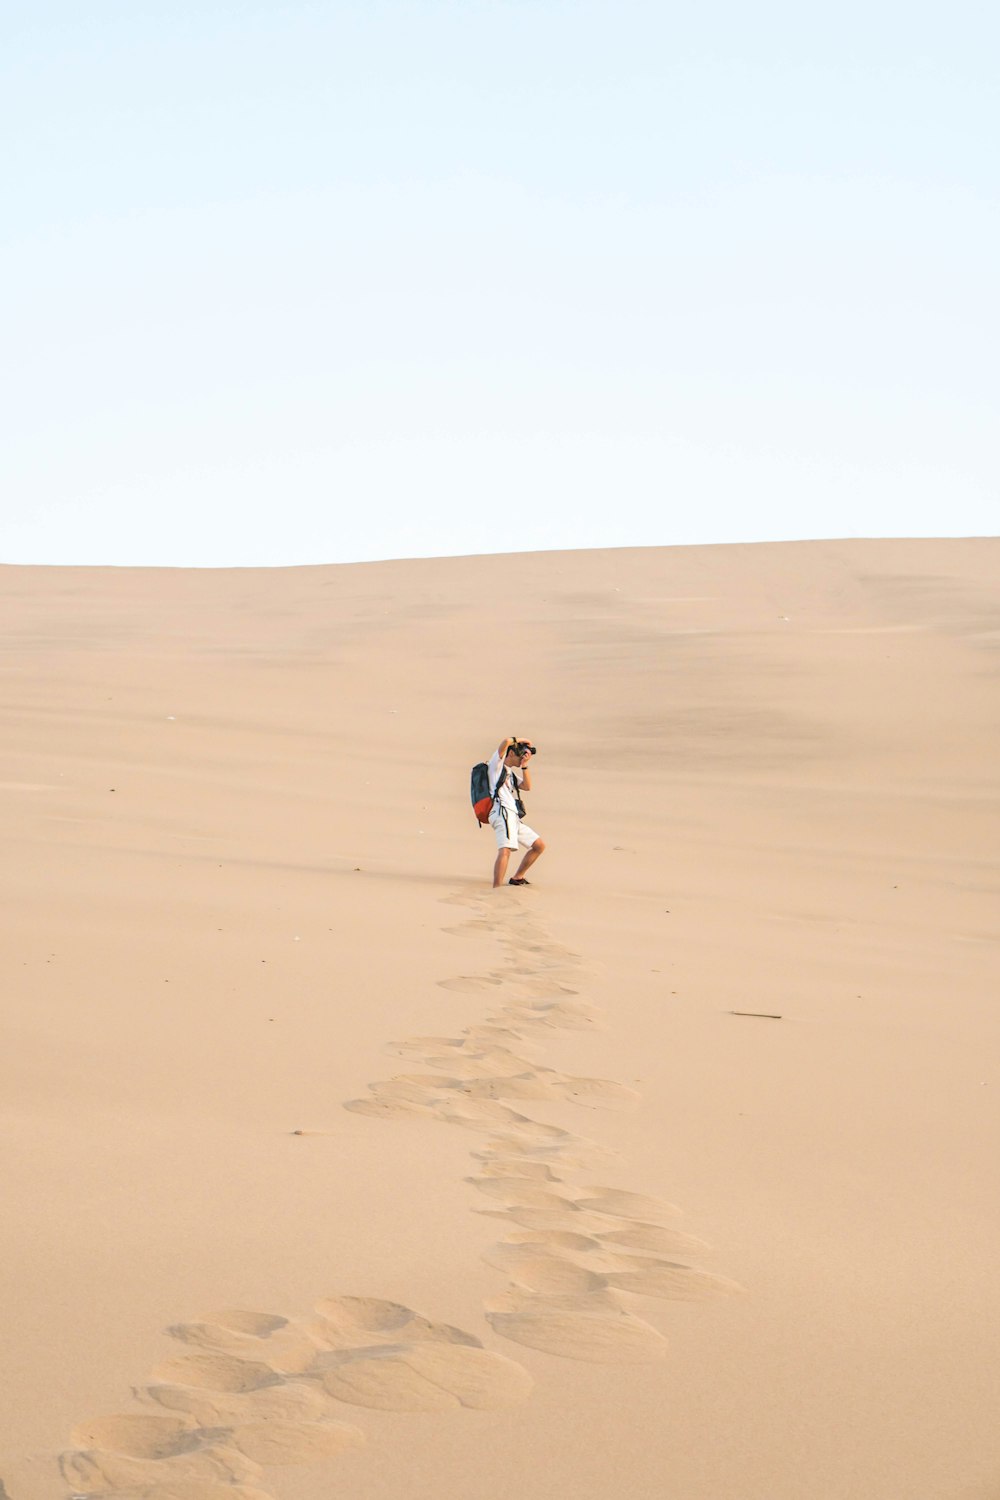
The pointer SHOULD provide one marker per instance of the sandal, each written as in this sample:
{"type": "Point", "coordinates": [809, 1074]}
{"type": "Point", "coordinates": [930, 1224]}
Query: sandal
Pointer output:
{"type": "Point", "coordinates": [512, 881]}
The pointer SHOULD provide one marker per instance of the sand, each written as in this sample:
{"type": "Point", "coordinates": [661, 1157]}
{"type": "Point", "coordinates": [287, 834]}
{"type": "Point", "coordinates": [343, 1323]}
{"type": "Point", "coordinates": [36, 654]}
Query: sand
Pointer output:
{"type": "Point", "coordinates": [329, 1171]}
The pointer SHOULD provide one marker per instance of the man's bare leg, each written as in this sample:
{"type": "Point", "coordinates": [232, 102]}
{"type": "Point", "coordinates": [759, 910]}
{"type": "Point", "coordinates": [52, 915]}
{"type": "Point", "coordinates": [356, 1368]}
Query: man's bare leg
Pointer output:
{"type": "Point", "coordinates": [500, 867]}
{"type": "Point", "coordinates": [537, 849]}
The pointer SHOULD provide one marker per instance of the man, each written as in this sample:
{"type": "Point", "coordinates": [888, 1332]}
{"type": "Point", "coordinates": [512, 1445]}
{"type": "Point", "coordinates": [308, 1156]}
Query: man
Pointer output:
{"type": "Point", "coordinates": [512, 757]}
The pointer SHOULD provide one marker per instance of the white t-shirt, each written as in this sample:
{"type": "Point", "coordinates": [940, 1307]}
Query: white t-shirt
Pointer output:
{"type": "Point", "coordinates": [505, 797]}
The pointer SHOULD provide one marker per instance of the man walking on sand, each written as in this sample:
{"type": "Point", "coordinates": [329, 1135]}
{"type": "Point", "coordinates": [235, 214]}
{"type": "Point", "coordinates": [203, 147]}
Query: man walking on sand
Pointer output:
{"type": "Point", "coordinates": [509, 776]}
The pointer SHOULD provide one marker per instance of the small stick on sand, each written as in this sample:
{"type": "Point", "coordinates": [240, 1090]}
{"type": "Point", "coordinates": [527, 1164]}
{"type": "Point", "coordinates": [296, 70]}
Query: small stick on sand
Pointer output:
{"type": "Point", "coordinates": [762, 1015]}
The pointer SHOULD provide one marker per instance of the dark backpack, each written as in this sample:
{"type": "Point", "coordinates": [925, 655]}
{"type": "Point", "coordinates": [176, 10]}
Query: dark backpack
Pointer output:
{"type": "Point", "coordinates": [482, 798]}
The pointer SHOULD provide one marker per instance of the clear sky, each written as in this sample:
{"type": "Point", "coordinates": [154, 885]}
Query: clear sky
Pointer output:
{"type": "Point", "coordinates": [320, 282]}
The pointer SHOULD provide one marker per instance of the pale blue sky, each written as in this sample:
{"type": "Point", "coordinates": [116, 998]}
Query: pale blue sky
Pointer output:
{"type": "Point", "coordinates": [321, 282]}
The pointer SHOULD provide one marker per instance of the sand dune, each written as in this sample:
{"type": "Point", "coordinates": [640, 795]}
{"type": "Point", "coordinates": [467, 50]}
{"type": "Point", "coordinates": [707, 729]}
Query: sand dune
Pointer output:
{"type": "Point", "coordinates": [329, 1170]}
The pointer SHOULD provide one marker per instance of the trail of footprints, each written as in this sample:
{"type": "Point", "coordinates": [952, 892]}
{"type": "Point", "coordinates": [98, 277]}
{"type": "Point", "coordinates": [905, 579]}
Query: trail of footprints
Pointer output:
{"type": "Point", "coordinates": [256, 1390]}
{"type": "Point", "coordinates": [572, 1248]}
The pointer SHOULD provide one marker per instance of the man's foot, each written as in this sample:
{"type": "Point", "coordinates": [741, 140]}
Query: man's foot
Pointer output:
{"type": "Point", "coordinates": [514, 881]}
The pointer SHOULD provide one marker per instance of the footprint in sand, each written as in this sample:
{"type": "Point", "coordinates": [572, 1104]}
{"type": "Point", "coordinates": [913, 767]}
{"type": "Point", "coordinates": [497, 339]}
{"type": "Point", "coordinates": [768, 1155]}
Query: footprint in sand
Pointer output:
{"type": "Point", "coordinates": [568, 1154]}
{"type": "Point", "coordinates": [609, 1243]}
{"type": "Point", "coordinates": [95, 1471]}
{"type": "Point", "coordinates": [281, 1343]}
{"type": "Point", "coordinates": [219, 1372]}
{"type": "Point", "coordinates": [512, 1166]}
{"type": "Point", "coordinates": [619, 1205]}
{"type": "Point", "coordinates": [539, 1262]}
{"type": "Point", "coordinates": [673, 1280]}
{"type": "Point", "coordinates": [545, 988]}
{"type": "Point", "coordinates": [357, 1322]}
{"type": "Point", "coordinates": [568, 1219]}
{"type": "Point", "coordinates": [534, 1271]}
{"type": "Point", "coordinates": [534, 971]}
{"type": "Point", "coordinates": [383, 1355]}
{"type": "Point", "coordinates": [487, 1114]}
{"type": "Point", "coordinates": [523, 1192]}
{"type": "Point", "coordinates": [591, 1326]}
{"type": "Point", "coordinates": [556, 1015]}
{"type": "Point", "coordinates": [641, 1236]}
{"type": "Point", "coordinates": [139, 1436]}
{"type": "Point", "coordinates": [280, 1403]}
{"type": "Point", "coordinates": [425, 1377]}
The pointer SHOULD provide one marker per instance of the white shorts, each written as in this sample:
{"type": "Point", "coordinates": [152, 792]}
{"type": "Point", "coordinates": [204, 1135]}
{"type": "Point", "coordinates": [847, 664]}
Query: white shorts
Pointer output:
{"type": "Point", "coordinates": [510, 829]}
